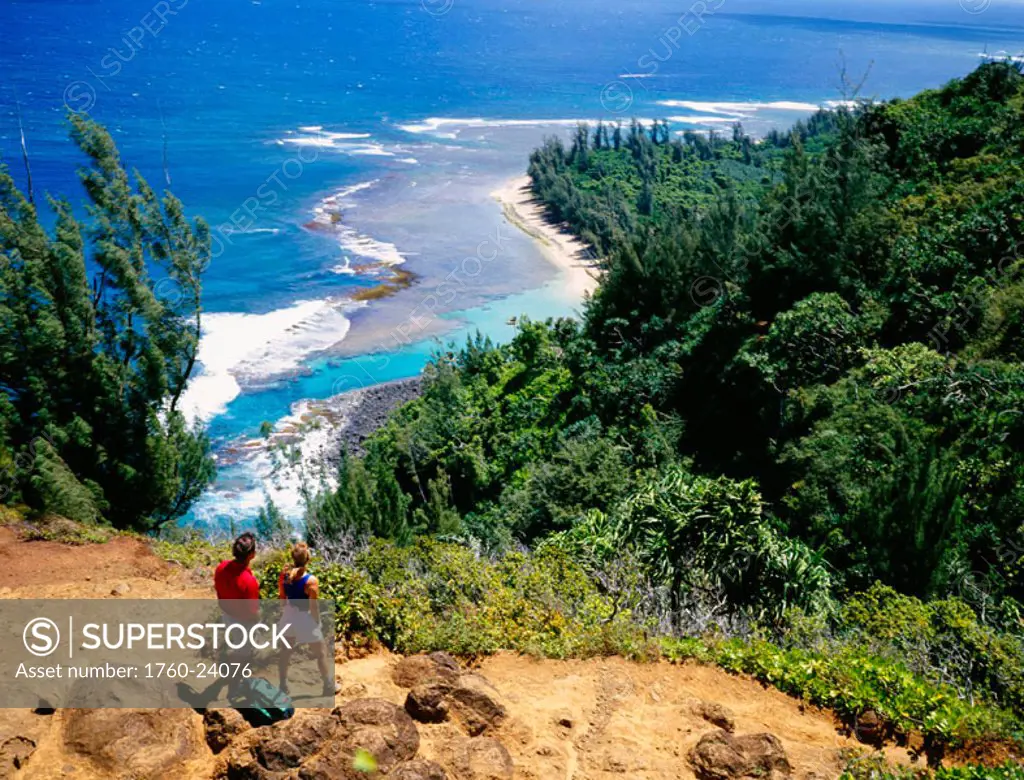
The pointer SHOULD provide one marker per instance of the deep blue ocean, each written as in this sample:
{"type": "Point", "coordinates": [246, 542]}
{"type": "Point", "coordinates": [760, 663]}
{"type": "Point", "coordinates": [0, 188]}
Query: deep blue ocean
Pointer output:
{"type": "Point", "coordinates": [330, 140]}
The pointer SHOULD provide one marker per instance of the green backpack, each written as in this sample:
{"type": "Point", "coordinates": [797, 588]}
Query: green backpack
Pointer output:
{"type": "Point", "coordinates": [264, 703]}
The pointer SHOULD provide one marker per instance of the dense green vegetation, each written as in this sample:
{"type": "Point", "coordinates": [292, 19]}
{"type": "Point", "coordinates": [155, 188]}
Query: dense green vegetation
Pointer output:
{"type": "Point", "coordinates": [99, 327]}
{"type": "Point", "coordinates": [819, 346]}
{"type": "Point", "coordinates": [787, 436]}
{"type": "Point", "coordinates": [792, 409]}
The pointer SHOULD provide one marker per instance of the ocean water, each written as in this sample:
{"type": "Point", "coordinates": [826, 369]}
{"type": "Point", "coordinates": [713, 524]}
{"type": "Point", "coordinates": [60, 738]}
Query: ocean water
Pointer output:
{"type": "Point", "coordinates": [331, 141]}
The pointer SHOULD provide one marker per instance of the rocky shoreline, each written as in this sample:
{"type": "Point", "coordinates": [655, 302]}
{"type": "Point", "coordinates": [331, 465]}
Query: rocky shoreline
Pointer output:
{"type": "Point", "coordinates": [363, 411]}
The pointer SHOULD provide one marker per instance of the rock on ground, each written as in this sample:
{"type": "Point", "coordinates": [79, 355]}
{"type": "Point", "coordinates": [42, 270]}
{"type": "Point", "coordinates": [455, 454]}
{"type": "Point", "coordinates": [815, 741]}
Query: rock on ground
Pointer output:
{"type": "Point", "coordinates": [722, 756]}
{"type": "Point", "coordinates": [140, 744]}
{"type": "Point", "coordinates": [479, 758]}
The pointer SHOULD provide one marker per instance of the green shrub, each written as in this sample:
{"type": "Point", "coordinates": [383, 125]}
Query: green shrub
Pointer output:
{"type": "Point", "coordinates": [851, 681]}
{"type": "Point", "coordinates": [875, 768]}
{"type": "Point", "coordinates": [192, 552]}
{"type": "Point", "coordinates": [52, 528]}
{"type": "Point", "coordinates": [943, 640]}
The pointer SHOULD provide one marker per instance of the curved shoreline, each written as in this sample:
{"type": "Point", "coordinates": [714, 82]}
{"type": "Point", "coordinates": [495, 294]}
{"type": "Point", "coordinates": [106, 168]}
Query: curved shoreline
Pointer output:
{"type": "Point", "coordinates": [569, 253]}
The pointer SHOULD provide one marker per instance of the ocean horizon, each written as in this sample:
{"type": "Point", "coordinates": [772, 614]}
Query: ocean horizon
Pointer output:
{"type": "Point", "coordinates": [333, 147]}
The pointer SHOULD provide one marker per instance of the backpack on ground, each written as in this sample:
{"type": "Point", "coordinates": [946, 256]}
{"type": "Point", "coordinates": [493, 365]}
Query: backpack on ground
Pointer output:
{"type": "Point", "coordinates": [264, 703]}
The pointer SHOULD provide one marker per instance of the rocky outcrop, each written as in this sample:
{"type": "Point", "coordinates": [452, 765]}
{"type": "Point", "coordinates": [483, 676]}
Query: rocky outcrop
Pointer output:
{"type": "Point", "coordinates": [476, 704]}
{"type": "Point", "coordinates": [222, 725]}
{"type": "Point", "coordinates": [14, 754]}
{"type": "Point", "coordinates": [442, 691]}
{"type": "Point", "coordinates": [134, 743]}
{"type": "Point", "coordinates": [420, 669]}
{"type": "Point", "coordinates": [870, 728]}
{"type": "Point", "coordinates": [428, 702]}
{"type": "Point", "coordinates": [720, 755]}
{"type": "Point", "coordinates": [714, 714]}
{"type": "Point", "coordinates": [316, 744]}
{"type": "Point", "coordinates": [479, 758]}
{"type": "Point", "coordinates": [419, 769]}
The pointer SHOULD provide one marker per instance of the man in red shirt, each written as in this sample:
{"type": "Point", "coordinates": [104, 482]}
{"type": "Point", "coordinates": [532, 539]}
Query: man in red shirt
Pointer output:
{"type": "Point", "coordinates": [235, 583]}
{"type": "Point", "coordinates": [239, 594]}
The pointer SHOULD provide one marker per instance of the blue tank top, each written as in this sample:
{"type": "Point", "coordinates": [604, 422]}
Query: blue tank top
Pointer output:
{"type": "Point", "coordinates": [295, 592]}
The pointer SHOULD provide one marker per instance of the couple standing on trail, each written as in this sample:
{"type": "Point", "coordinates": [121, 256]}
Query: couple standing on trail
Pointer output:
{"type": "Point", "coordinates": [237, 585]}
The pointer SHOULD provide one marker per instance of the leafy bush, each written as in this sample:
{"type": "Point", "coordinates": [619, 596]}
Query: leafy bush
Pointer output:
{"type": "Point", "coordinates": [52, 528]}
{"type": "Point", "coordinates": [192, 551]}
{"type": "Point", "coordinates": [876, 768]}
{"type": "Point", "coordinates": [851, 681]}
{"type": "Point", "coordinates": [441, 596]}
{"type": "Point", "coordinates": [943, 640]}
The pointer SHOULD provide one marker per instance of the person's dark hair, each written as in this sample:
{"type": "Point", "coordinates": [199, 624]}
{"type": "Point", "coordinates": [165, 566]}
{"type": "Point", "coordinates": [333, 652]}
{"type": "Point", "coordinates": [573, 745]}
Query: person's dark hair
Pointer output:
{"type": "Point", "coordinates": [244, 546]}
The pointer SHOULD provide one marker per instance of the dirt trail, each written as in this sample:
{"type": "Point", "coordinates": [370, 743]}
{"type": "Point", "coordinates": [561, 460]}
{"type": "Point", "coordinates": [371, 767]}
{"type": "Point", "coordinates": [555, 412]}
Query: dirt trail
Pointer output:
{"type": "Point", "coordinates": [567, 720]}
{"type": "Point", "coordinates": [50, 570]}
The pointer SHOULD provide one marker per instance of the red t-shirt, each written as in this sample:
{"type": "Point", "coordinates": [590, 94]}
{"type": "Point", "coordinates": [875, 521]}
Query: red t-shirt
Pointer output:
{"type": "Point", "coordinates": [234, 580]}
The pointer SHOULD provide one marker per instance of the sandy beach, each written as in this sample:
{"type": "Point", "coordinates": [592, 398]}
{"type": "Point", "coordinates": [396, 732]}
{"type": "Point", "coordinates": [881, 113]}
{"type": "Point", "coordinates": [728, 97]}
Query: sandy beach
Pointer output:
{"type": "Point", "coordinates": [558, 245]}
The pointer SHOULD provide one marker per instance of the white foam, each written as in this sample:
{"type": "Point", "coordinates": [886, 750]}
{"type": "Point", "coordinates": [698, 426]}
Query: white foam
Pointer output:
{"type": "Point", "coordinates": [1001, 55]}
{"type": "Point", "coordinates": [354, 188]}
{"type": "Point", "coordinates": [635, 75]}
{"type": "Point", "coordinates": [433, 124]}
{"type": "Point", "coordinates": [383, 252]}
{"type": "Point", "coordinates": [344, 268]}
{"type": "Point", "coordinates": [321, 139]}
{"type": "Point", "coordinates": [373, 150]}
{"type": "Point", "coordinates": [739, 109]}
{"type": "Point", "coordinates": [307, 431]}
{"type": "Point", "coordinates": [237, 349]}
{"type": "Point", "coordinates": [230, 230]}
{"type": "Point", "coordinates": [702, 120]}
{"type": "Point", "coordinates": [327, 214]}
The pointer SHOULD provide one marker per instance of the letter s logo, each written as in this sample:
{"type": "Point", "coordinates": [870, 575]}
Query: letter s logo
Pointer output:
{"type": "Point", "coordinates": [41, 636]}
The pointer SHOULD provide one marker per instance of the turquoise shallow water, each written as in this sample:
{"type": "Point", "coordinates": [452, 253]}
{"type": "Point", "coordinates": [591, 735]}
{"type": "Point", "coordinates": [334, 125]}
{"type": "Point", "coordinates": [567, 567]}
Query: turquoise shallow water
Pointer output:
{"type": "Point", "coordinates": [400, 117]}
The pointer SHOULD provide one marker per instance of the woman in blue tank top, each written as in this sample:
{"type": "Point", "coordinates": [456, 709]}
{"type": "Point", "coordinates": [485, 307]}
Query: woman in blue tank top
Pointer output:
{"type": "Point", "coordinates": [300, 592]}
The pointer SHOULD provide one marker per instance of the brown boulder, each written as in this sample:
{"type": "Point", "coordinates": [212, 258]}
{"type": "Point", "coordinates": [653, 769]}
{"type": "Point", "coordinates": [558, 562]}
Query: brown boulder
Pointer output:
{"type": "Point", "coordinates": [14, 754]}
{"type": "Point", "coordinates": [715, 714]}
{"type": "Point", "coordinates": [870, 727]}
{"type": "Point", "coordinates": [221, 727]}
{"type": "Point", "coordinates": [137, 743]}
{"type": "Point", "coordinates": [722, 756]}
{"type": "Point", "coordinates": [379, 727]}
{"type": "Point", "coordinates": [445, 661]}
{"type": "Point", "coordinates": [418, 669]}
{"type": "Point", "coordinates": [271, 750]}
{"type": "Point", "coordinates": [428, 702]}
{"type": "Point", "coordinates": [480, 758]}
{"type": "Point", "coordinates": [321, 745]}
{"type": "Point", "coordinates": [476, 704]}
{"type": "Point", "coordinates": [420, 769]}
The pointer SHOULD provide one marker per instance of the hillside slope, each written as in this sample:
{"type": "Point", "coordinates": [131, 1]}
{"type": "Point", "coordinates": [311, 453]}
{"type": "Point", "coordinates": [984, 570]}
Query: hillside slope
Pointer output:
{"type": "Point", "coordinates": [599, 718]}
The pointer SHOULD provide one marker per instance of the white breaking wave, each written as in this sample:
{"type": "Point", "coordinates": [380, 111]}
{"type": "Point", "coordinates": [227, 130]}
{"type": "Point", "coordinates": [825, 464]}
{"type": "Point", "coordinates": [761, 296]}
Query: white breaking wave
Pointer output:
{"type": "Point", "coordinates": [268, 474]}
{"type": "Point", "coordinates": [328, 215]}
{"type": "Point", "coordinates": [435, 123]}
{"type": "Point", "coordinates": [229, 230]}
{"type": "Point", "coordinates": [317, 137]}
{"type": "Point", "coordinates": [353, 241]}
{"type": "Point", "coordinates": [356, 144]}
{"type": "Point", "coordinates": [237, 349]}
{"type": "Point", "coordinates": [739, 109]}
{"type": "Point", "coordinates": [703, 120]}
{"type": "Point", "coordinates": [1002, 54]}
{"type": "Point", "coordinates": [374, 149]}
{"type": "Point", "coordinates": [344, 268]}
